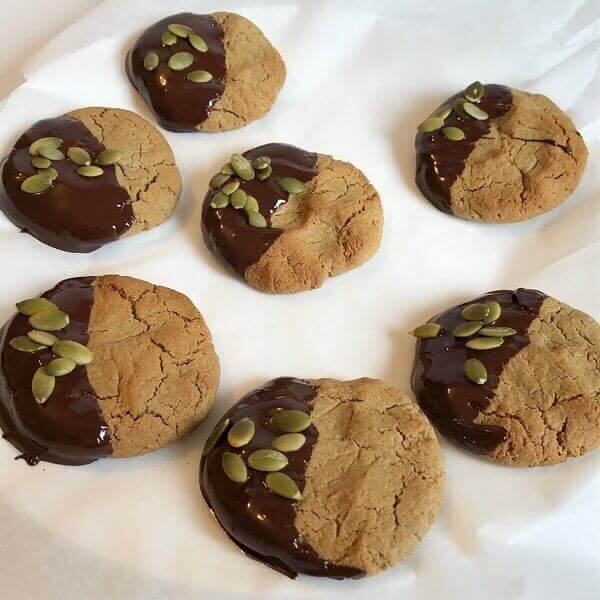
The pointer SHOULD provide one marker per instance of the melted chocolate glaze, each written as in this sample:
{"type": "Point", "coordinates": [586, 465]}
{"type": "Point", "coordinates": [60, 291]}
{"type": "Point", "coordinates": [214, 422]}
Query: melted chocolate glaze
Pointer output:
{"type": "Point", "coordinates": [227, 231]}
{"type": "Point", "coordinates": [68, 428]}
{"type": "Point", "coordinates": [258, 521]}
{"type": "Point", "coordinates": [177, 103]}
{"type": "Point", "coordinates": [77, 214]}
{"type": "Point", "coordinates": [448, 398]}
{"type": "Point", "coordinates": [440, 160]}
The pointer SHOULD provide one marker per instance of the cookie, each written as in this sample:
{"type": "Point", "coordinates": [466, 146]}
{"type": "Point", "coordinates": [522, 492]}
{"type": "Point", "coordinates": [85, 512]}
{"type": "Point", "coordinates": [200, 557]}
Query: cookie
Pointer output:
{"type": "Point", "coordinates": [104, 366]}
{"type": "Point", "coordinates": [327, 478]}
{"type": "Point", "coordinates": [513, 376]}
{"type": "Point", "coordinates": [89, 177]}
{"type": "Point", "coordinates": [205, 72]}
{"type": "Point", "coordinates": [496, 154]}
{"type": "Point", "coordinates": [286, 219]}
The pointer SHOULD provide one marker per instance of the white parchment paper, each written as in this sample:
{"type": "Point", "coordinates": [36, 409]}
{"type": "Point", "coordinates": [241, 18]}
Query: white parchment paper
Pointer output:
{"type": "Point", "coordinates": [361, 75]}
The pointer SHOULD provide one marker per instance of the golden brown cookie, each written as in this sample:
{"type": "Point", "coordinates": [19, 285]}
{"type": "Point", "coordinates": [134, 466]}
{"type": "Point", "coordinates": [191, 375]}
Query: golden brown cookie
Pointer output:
{"type": "Point", "coordinates": [514, 376]}
{"type": "Point", "coordinates": [496, 154]}
{"type": "Point", "coordinates": [104, 366]}
{"type": "Point", "coordinates": [324, 477]}
{"type": "Point", "coordinates": [89, 177]}
{"type": "Point", "coordinates": [206, 72]}
{"type": "Point", "coordinates": [288, 219]}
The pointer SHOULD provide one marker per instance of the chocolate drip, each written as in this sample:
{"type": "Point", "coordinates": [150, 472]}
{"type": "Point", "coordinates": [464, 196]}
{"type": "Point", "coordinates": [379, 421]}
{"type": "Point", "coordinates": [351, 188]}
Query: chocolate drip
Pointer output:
{"type": "Point", "coordinates": [77, 214]}
{"type": "Point", "coordinates": [227, 231]}
{"type": "Point", "coordinates": [177, 103]}
{"type": "Point", "coordinates": [440, 160]}
{"type": "Point", "coordinates": [68, 428]}
{"type": "Point", "coordinates": [448, 398]}
{"type": "Point", "coordinates": [258, 521]}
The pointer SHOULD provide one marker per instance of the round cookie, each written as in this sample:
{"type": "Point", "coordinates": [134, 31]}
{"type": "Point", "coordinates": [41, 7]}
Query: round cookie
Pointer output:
{"type": "Point", "coordinates": [529, 398]}
{"type": "Point", "coordinates": [355, 485]}
{"type": "Point", "coordinates": [109, 174]}
{"type": "Point", "coordinates": [142, 371]}
{"type": "Point", "coordinates": [205, 72]}
{"type": "Point", "coordinates": [496, 154]}
{"type": "Point", "coordinates": [293, 223]}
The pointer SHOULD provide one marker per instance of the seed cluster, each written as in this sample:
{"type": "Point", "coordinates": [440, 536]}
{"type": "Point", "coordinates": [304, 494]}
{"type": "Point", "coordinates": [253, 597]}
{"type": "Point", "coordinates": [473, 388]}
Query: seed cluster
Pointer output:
{"type": "Point", "coordinates": [44, 317]}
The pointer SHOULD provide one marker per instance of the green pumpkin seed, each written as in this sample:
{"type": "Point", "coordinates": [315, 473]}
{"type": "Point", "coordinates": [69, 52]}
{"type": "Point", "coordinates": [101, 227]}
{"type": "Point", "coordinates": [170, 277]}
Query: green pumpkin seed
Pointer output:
{"type": "Point", "coordinates": [79, 155]}
{"type": "Point", "coordinates": [289, 442]}
{"type": "Point", "coordinates": [457, 107]}
{"type": "Point", "coordinates": [36, 184]}
{"type": "Point", "coordinates": [34, 148]}
{"type": "Point", "coordinates": [35, 305]}
{"type": "Point", "coordinates": [431, 124]}
{"type": "Point", "coordinates": [199, 76]}
{"type": "Point", "coordinates": [494, 314]}
{"type": "Point", "coordinates": [168, 38]}
{"type": "Point", "coordinates": [219, 200]}
{"type": "Point", "coordinates": [217, 180]}
{"type": "Point", "coordinates": [474, 111]}
{"type": "Point", "coordinates": [234, 467]}
{"type": "Point", "coordinates": [107, 157]}
{"type": "Point", "coordinates": [261, 162]}
{"type": "Point", "coordinates": [251, 204]}
{"type": "Point", "coordinates": [49, 320]}
{"type": "Point", "coordinates": [198, 42]}
{"type": "Point", "coordinates": [474, 92]}
{"type": "Point", "coordinates": [60, 366]}
{"type": "Point", "coordinates": [180, 61]}
{"type": "Point", "coordinates": [179, 30]}
{"type": "Point", "coordinates": [151, 61]}
{"type": "Point", "coordinates": [292, 186]}
{"type": "Point", "coordinates": [283, 485]}
{"type": "Point", "coordinates": [238, 198]}
{"type": "Point", "coordinates": [39, 162]}
{"type": "Point", "coordinates": [230, 187]}
{"type": "Point", "coordinates": [291, 421]}
{"type": "Point", "coordinates": [25, 344]}
{"type": "Point", "coordinates": [498, 331]}
{"type": "Point", "coordinates": [264, 173]}
{"type": "Point", "coordinates": [242, 166]}
{"type": "Point", "coordinates": [475, 312]}
{"type": "Point", "coordinates": [267, 459]}
{"type": "Point", "coordinates": [89, 171]}
{"type": "Point", "coordinates": [484, 343]}
{"type": "Point", "coordinates": [213, 438]}
{"type": "Point", "coordinates": [467, 329]}
{"type": "Point", "coordinates": [42, 337]}
{"type": "Point", "coordinates": [475, 371]}
{"type": "Point", "coordinates": [442, 112]}
{"type": "Point", "coordinates": [241, 433]}
{"type": "Point", "coordinates": [73, 350]}
{"type": "Point", "coordinates": [256, 219]}
{"type": "Point", "coordinates": [51, 153]}
{"type": "Point", "coordinates": [453, 133]}
{"type": "Point", "coordinates": [227, 169]}
{"type": "Point", "coordinates": [427, 331]}
{"type": "Point", "coordinates": [50, 172]}
{"type": "Point", "coordinates": [42, 385]}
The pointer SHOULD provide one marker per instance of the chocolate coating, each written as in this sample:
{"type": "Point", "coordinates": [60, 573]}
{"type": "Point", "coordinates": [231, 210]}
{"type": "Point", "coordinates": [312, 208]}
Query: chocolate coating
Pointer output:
{"type": "Point", "coordinates": [77, 214]}
{"type": "Point", "coordinates": [177, 103]}
{"type": "Point", "coordinates": [440, 160]}
{"type": "Point", "coordinates": [227, 231]}
{"type": "Point", "coordinates": [68, 428]}
{"type": "Point", "coordinates": [449, 399]}
{"type": "Point", "coordinates": [258, 521]}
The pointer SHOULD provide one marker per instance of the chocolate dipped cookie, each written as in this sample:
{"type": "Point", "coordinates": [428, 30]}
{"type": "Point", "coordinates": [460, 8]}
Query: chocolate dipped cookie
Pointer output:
{"type": "Point", "coordinates": [328, 478]}
{"type": "Point", "coordinates": [497, 154]}
{"type": "Point", "coordinates": [512, 375]}
{"type": "Point", "coordinates": [286, 219]}
{"type": "Point", "coordinates": [205, 72]}
{"type": "Point", "coordinates": [89, 177]}
{"type": "Point", "coordinates": [104, 366]}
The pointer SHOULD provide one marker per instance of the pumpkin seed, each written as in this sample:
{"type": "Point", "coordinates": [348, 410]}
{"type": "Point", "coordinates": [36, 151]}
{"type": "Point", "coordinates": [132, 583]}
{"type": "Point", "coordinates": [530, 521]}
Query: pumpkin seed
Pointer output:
{"type": "Point", "coordinates": [213, 438]}
{"type": "Point", "coordinates": [168, 38]}
{"type": "Point", "coordinates": [50, 172]}
{"type": "Point", "coordinates": [494, 314]}
{"type": "Point", "coordinates": [261, 162]}
{"type": "Point", "coordinates": [42, 385]}
{"type": "Point", "coordinates": [73, 350]}
{"type": "Point", "coordinates": [291, 421]}
{"type": "Point", "coordinates": [180, 61]}
{"type": "Point", "coordinates": [474, 92]}
{"type": "Point", "coordinates": [89, 171]}
{"type": "Point", "coordinates": [42, 337]}
{"type": "Point", "coordinates": [199, 76]}
{"type": "Point", "coordinates": [238, 198]}
{"type": "Point", "coordinates": [79, 156]}
{"type": "Point", "coordinates": [267, 459]}
{"type": "Point", "coordinates": [467, 329]}
{"type": "Point", "coordinates": [151, 61]}
{"type": "Point", "coordinates": [25, 344]}
{"type": "Point", "coordinates": [292, 186]}
{"type": "Point", "coordinates": [474, 111]}
{"type": "Point", "coordinates": [35, 305]}
{"type": "Point", "coordinates": [241, 433]}
{"type": "Point", "coordinates": [49, 320]}
{"type": "Point", "coordinates": [107, 157]}
{"type": "Point", "coordinates": [431, 124]}
{"type": "Point", "coordinates": [453, 133]}
{"type": "Point", "coordinates": [475, 312]}
{"type": "Point", "coordinates": [217, 180]}
{"type": "Point", "coordinates": [60, 366]}
{"type": "Point", "coordinates": [230, 187]}
{"type": "Point", "coordinates": [219, 200]}
{"type": "Point", "coordinates": [427, 331]}
{"type": "Point", "coordinates": [264, 173]}
{"type": "Point", "coordinates": [475, 371]}
{"type": "Point", "coordinates": [251, 204]}
{"type": "Point", "coordinates": [179, 30]}
{"type": "Point", "coordinates": [256, 219]}
{"type": "Point", "coordinates": [36, 184]}
{"type": "Point", "coordinates": [39, 162]}
{"type": "Point", "coordinates": [498, 331]}
{"type": "Point", "coordinates": [34, 148]}
{"type": "Point", "coordinates": [457, 107]}
{"type": "Point", "coordinates": [442, 112]}
{"type": "Point", "coordinates": [289, 442]}
{"type": "Point", "coordinates": [242, 166]}
{"type": "Point", "coordinates": [227, 169]}
{"type": "Point", "coordinates": [198, 42]}
{"type": "Point", "coordinates": [234, 467]}
{"type": "Point", "coordinates": [484, 343]}
{"type": "Point", "coordinates": [283, 485]}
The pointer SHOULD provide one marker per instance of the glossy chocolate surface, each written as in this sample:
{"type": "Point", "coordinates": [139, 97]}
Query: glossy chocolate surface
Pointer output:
{"type": "Point", "coordinates": [227, 231]}
{"type": "Point", "coordinates": [68, 428]}
{"type": "Point", "coordinates": [177, 103]}
{"type": "Point", "coordinates": [77, 214]}
{"type": "Point", "coordinates": [440, 160]}
{"type": "Point", "coordinates": [449, 399]}
{"type": "Point", "coordinates": [258, 521]}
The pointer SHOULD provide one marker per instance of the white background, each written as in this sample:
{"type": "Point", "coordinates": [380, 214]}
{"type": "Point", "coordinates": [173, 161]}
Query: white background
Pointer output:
{"type": "Point", "coordinates": [360, 77]}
